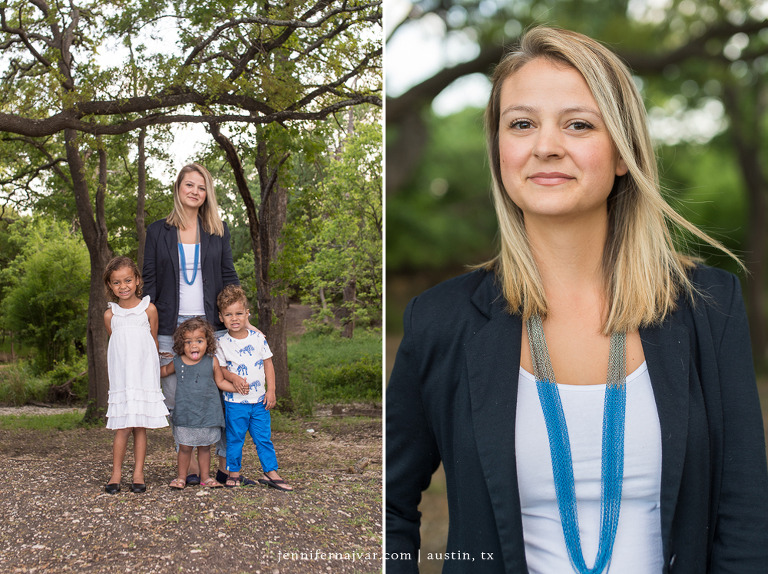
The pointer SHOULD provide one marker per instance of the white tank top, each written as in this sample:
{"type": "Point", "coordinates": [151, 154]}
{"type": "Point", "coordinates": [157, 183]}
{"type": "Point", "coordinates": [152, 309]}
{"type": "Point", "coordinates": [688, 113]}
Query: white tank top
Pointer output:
{"type": "Point", "coordinates": [191, 296]}
{"type": "Point", "coordinates": [637, 549]}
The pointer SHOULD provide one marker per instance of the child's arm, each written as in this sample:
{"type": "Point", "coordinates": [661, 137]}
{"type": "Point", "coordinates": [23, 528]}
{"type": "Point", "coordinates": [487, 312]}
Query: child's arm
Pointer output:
{"type": "Point", "coordinates": [108, 321]}
{"type": "Point", "coordinates": [153, 324]}
{"type": "Point", "coordinates": [240, 384]}
{"type": "Point", "coordinates": [219, 377]}
{"type": "Point", "coordinates": [270, 398]}
{"type": "Point", "coordinates": [168, 369]}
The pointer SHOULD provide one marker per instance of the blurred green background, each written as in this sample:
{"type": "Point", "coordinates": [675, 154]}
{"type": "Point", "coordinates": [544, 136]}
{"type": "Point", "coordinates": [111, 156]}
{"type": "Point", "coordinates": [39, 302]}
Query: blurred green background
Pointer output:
{"type": "Point", "coordinates": [702, 67]}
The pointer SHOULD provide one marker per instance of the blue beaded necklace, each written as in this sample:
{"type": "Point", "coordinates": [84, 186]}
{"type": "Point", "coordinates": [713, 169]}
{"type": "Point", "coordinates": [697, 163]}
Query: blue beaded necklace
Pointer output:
{"type": "Point", "coordinates": [183, 258]}
{"type": "Point", "coordinates": [612, 472]}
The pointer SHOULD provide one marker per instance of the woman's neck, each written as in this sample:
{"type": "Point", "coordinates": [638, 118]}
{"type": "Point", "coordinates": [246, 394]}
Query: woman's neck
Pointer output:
{"type": "Point", "coordinates": [188, 234]}
{"type": "Point", "coordinates": [569, 256]}
{"type": "Point", "coordinates": [190, 214]}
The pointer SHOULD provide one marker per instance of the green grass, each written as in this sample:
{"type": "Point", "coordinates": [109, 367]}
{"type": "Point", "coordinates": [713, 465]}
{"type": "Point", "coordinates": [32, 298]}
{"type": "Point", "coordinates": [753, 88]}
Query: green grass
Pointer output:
{"type": "Point", "coordinates": [330, 368]}
{"type": "Point", "coordinates": [60, 421]}
{"type": "Point", "coordinates": [19, 386]}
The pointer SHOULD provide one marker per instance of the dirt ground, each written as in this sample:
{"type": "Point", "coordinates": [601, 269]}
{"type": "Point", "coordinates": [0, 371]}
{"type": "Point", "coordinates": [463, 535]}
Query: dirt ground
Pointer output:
{"type": "Point", "coordinates": [57, 518]}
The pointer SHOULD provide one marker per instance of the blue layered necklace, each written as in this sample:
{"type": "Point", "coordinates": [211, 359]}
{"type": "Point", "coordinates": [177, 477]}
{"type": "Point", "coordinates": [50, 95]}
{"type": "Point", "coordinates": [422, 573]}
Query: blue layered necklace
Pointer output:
{"type": "Point", "coordinates": [183, 258]}
{"type": "Point", "coordinates": [560, 447]}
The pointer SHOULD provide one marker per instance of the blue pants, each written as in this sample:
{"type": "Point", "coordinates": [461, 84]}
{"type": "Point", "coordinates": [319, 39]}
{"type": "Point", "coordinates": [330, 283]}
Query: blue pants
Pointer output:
{"type": "Point", "coordinates": [253, 418]}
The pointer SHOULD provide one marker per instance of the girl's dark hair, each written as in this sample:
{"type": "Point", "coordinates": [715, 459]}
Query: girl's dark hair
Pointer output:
{"type": "Point", "coordinates": [118, 263]}
{"type": "Point", "coordinates": [194, 324]}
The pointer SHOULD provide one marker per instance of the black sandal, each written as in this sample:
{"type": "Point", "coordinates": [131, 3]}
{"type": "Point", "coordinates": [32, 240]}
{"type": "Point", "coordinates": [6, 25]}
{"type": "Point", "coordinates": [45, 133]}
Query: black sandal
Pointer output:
{"type": "Point", "coordinates": [275, 483]}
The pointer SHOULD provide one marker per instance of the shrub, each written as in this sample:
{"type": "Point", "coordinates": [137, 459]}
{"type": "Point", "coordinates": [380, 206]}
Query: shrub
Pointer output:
{"type": "Point", "coordinates": [330, 368]}
{"type": "Point", "coordinates": [19, 386]}
{"type": "Point", "coordinates": [358, 381]}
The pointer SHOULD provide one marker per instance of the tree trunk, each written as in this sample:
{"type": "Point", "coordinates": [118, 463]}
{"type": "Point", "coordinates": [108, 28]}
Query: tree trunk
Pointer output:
{"type": "Point", "coordinates": [748, 153]}
{"type": "Point", "coordinates": [94, 232]}
{"type": "Point", "coordinates": [273, 303]}
{"type": "Point", "coordinates": [348, 313]}
{"type": "Point", "coordinates": [141, 196]}
{"type": "Point", "coordinates": [265, 225]}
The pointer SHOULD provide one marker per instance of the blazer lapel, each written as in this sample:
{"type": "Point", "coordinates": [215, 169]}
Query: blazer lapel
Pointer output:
{"type": "Point", "coordinates": [667, 354]}
{"type": "Point", "coordinates": [172, 245]}
{"type": "Point", "coordinates": [205, 239]}
{"type": "Point", "coordinates": [493, 361]}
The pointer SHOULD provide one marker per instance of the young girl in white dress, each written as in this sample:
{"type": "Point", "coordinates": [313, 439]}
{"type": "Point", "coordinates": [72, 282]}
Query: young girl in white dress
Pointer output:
{"type": "Point", "coordinates": [135, 399]}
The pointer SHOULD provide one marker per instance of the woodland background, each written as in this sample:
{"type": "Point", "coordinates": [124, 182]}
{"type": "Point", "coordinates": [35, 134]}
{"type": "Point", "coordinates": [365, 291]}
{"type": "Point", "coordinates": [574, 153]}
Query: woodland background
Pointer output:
{"type": "Point", "coordinates": [97, 108]}
{"type": "Point", "coordinates": [702, 67]}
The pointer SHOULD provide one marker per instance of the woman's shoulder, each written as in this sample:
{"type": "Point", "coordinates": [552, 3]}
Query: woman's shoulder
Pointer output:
{"type": "Point", "coordinates": [159, 226]}
{"type": "Point", "coordinates": [455, 297]}
{"type": "Point", "coordinates": [714, 285]}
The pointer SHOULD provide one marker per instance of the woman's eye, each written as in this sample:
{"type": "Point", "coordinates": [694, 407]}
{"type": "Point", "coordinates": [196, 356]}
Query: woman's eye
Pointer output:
{"type": "Point", "coordinates": [580, 126]}
{"type": "Point", "coordinates": [521, 124]}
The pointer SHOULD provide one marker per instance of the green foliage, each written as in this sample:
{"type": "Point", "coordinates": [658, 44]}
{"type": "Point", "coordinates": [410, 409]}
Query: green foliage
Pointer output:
{"type": "Point", "coordinates": [444, 216]}
{"type": "Point", "coordinates": [703, 184]}
{"type": "Point", "coordinates": [46, 298]}
{"type": "Point", "coordinates": [337, 241]}
{"type": "Point", "coordinates": [75, 370]}
{"type": "Point", "coordinates": [330, 368]}
{"type": "Point", "coordinates": [19, 385]}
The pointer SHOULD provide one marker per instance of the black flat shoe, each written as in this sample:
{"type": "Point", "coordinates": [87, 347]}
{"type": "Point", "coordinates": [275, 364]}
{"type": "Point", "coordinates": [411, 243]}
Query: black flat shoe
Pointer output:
{"type": "Point", "coordinates": [112, 488]}
{"type": "Point", "coordinates": [138, 487]}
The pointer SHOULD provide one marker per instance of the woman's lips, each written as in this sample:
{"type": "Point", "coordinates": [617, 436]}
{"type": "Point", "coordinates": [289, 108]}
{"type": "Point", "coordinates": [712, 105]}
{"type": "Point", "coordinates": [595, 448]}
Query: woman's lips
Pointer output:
{"type": "Point", "coordinates": [550, 178]}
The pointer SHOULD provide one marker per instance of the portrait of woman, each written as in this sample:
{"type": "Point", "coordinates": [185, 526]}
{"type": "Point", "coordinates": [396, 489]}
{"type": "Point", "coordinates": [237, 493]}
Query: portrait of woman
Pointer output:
{"type": "Point", "coordinates": [590, 391]}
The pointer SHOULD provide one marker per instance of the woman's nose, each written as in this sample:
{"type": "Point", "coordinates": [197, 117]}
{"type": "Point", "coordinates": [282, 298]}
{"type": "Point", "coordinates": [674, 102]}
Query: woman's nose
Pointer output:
{"type": "Point", "coordinates": [548, 143]}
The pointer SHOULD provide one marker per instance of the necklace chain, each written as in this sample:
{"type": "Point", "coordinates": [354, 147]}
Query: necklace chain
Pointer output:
{"type": "Point", "coordinates": [183, 258]}
{"type": "Point", "coordinates": [612, 470]}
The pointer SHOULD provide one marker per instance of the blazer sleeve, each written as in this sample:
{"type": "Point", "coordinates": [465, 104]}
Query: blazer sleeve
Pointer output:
{"type": "Point", "coordinates": [740, 543]}
{"type": "Point", "coordinates": [412, 452]}
{"type": "Point", "coordinates": [149, 271]}
{"type": "Point", "coordinates": [228, 273]}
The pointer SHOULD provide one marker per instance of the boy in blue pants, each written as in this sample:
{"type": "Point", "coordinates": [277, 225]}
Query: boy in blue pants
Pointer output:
{"type": "Point", "coordinates": [246, 353]}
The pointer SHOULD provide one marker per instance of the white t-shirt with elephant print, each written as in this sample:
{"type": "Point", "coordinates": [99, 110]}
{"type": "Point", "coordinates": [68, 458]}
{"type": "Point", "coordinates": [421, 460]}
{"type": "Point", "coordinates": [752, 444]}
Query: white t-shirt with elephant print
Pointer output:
{"type": "Point", "coordinates": [245, 357]}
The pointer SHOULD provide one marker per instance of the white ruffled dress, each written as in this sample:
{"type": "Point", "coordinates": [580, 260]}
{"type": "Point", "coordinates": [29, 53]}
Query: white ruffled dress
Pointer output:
{"type": "Point", "coordinates": [135, 398]}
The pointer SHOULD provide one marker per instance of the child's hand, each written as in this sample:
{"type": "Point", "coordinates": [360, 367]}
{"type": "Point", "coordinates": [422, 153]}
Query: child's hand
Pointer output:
{"type": "Point", "coordinates": [270, 400]}
{"type": "Point", "coordinates": [241, 385]}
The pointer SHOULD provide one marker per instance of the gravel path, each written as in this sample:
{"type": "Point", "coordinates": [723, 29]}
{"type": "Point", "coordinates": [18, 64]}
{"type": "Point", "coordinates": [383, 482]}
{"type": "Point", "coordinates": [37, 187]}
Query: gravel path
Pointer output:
{"type": "Point", "coordinates": [57, 517]}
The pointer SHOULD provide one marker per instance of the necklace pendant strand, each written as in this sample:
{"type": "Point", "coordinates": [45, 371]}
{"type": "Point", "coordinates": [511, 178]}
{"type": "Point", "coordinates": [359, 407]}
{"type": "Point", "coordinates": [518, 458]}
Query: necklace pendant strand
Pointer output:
{"type": "Point", "coordinates": [183, 258]}
{"type": "Point", "coordinates": [612, 471]}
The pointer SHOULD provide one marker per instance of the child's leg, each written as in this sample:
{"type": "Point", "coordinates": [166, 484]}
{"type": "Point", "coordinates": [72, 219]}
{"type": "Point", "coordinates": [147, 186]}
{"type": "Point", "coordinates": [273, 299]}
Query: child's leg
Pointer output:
{"type": "Point", "coordinates": [204, 461]}
{"type": "Point", "coordinates": [139, 453]}
{"type": "Point", "coordinates": [237, 416]}
{"type": "Point", "coordinates": [261, 433]}
{"type": "Point", "coordinates": [118, 454]}
{"type": "Point", "coordinates": [185, 454]}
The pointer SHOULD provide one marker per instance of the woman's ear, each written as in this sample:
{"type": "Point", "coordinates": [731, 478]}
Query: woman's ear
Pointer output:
{"type": "Point", "coordinates": [621, 167]}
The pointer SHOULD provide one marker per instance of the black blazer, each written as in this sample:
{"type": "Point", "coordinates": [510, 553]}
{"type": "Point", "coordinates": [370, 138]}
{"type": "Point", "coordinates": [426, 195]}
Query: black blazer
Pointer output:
{"type": "Point", "coordinates": [452, 398]}
{"type": "Point", "coordinates": [161, 272]}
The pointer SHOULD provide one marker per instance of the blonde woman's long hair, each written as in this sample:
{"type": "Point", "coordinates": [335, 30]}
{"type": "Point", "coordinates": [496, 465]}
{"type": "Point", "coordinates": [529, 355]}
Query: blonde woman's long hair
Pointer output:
{"type": "Point", "coordinates": [209, 211]}
{"type": "Point", "coordinates": [644, 273]}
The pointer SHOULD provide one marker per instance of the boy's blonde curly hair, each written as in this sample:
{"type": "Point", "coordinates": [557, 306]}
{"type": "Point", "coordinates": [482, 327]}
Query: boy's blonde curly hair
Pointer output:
{"type": "Point", "coordinates": [230, 295]}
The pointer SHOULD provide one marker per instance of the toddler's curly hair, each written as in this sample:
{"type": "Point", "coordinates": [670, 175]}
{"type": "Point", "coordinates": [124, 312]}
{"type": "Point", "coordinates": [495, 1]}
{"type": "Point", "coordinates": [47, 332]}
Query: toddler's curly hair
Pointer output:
{"type": "Point", "coordinates": [118, 263]}
{"type": "Point", "coordinates": [190, 325]}
{"type": "Point", "coordinates": [230, 295]}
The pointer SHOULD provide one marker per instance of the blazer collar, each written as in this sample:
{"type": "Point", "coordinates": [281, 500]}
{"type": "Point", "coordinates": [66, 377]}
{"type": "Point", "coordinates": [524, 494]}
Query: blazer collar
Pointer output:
{"type": "Point", "coordinates": [493, 363]}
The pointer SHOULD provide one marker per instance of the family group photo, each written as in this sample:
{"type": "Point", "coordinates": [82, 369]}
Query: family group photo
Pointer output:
{"type": "Point", "coordinates": [384, 286]}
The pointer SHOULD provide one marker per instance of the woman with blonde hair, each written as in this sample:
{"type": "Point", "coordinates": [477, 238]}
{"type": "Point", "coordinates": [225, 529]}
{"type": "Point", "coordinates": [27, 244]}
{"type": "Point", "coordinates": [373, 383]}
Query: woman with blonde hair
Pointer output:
{"type": "Point", "coordinates": [590, 391]}
{"type": "Point", "coordinates": [187, 262]}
